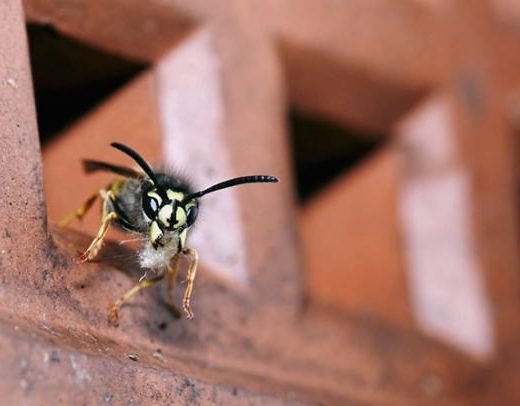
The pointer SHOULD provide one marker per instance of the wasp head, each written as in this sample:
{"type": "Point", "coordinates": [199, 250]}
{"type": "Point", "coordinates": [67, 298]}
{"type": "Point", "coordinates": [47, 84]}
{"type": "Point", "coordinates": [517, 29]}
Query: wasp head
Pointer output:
{"type": "Point", "coordinates": [166, 210]}
{"type": "Point", "coordinates": [169, 209]}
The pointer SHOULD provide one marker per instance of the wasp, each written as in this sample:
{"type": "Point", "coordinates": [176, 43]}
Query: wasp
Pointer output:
{"type": "Point", "coordinates": [161, 209]}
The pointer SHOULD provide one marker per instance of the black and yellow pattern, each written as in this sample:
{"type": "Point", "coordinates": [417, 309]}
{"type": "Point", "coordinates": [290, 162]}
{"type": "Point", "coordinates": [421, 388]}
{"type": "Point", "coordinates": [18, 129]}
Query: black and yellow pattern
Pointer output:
{"type": "Point", "coordinates": [158, 206]}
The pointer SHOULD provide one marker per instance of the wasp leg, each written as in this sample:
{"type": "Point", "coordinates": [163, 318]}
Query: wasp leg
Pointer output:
{"type": "Point", "coordinates": [190, 279]}
{"type": "Point", "coordinates": [80, 212]}
{"type": "Point", "coordinates": [108, 217]}
{"type": "Point", "coordinates": [113, 315]}
{"type": "Point", "coordinates": [171, 276]}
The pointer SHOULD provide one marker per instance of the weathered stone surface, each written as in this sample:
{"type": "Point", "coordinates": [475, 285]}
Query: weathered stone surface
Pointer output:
{"type": "Point", "coordinates": [255, 341]}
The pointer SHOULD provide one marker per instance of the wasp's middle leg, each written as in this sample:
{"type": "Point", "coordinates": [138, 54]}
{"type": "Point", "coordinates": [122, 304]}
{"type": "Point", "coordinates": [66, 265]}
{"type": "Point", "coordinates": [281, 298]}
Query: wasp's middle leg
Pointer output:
{"type": "Point", "coordinates": [80, 212]}
{"type": "Point", "coordinates": [113, 316]}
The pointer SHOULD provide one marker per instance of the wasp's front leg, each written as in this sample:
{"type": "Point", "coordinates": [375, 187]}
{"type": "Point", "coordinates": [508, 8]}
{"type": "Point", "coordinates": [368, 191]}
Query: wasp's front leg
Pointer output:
{"type": "Point", "coordinates": [108, 217]}
{"type": "Point", "coordinates": [171, 276]}
{"type": "Point", "coordinates": [190, 279]}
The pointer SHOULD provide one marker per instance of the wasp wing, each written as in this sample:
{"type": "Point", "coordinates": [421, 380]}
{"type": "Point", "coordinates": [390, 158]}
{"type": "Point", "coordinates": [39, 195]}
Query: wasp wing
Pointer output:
{"type": "Point", "coordinates": [94, 166]}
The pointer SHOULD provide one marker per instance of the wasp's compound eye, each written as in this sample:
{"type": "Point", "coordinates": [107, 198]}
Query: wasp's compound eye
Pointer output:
{"type": "Point", "coordinates": [192, 215]}
{"type": "Point", "coordinates": [150, 206]}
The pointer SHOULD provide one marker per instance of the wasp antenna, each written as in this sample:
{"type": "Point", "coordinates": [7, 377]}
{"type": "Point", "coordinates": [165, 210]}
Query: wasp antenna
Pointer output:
{"type": "Point", "coordinates": [233, 182]}
{"type": "Point", "coordinates": [137, 158]}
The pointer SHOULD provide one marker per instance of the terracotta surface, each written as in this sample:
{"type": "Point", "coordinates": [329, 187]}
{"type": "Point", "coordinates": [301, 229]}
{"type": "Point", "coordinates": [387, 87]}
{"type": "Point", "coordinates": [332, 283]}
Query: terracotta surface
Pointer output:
{"type": "Point", "coordinates": [257, 342]}
{"type": "Point", "coordinates": [23, 221]}
{"type": "Point", "coordinates": [150, 28]}
{"type": "Point", "coordinates": [351, 238]}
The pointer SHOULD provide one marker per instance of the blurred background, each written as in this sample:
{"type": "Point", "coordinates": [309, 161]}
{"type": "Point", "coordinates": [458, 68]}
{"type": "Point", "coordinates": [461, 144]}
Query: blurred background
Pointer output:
{"type": "Point", "coordinates": [393, 126]}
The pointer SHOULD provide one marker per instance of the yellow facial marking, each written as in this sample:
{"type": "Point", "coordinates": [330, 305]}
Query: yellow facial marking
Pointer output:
{"type": "Point", "coordinates": [155, 232]}
{"type": "Point", "coordinates": [156, 196]}
{"type": "Point", "coordinates": [180, 215]}
{"type": "Point", "coordinates": [172, 195]}
{"type": "Point", "coordinates": [165, 213]}
{"type": "Point", "coordinates": [190, 204]}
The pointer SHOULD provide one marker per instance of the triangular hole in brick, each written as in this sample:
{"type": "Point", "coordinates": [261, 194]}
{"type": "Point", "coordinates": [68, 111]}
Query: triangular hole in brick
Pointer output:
{"type": "Point", "coordinates": [324, 150]}
{"type": "Point", "coordinates": [71, 77]}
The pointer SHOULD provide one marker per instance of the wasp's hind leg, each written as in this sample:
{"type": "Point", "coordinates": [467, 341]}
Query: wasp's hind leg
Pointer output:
{"type": "Point", "coordinates": [171, 277]}
{"type": "Point", "coordinates": [80, 212]}
{"type": "Point", "coordinates": [190, 279]}
{"type": "Point", "coordinates": [113, 315]}
{"type": "Point", "coordinates": [108, 217]}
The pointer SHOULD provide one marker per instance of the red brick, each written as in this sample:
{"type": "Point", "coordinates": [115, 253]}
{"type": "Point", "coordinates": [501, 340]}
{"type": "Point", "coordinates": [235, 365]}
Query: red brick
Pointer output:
{"type": "Point", "coordinates": [351, 243]}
